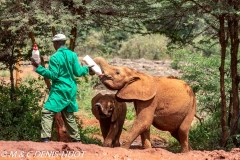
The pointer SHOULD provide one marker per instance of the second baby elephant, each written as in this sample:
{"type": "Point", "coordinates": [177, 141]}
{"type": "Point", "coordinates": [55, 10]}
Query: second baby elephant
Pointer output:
{"type": "Point", "coordinates": [111, 115]}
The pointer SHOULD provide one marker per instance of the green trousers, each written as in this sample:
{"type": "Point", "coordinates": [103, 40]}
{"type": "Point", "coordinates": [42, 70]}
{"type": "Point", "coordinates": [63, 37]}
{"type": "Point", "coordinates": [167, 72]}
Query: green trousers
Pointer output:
{"type": "Point", "coordinates": [69, 121]}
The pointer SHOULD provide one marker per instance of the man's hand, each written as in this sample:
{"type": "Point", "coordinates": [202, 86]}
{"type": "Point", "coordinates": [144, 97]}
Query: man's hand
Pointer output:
{"type": "Point", "coordinates": [90, 66]}
{"type": "Point", "coordinates": [91, 72]}
{"type": "Point", "coordinates": [34, 63]}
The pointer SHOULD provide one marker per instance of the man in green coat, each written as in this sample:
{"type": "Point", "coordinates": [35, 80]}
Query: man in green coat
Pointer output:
{"type": "Point", "coordinates": [63, 67]}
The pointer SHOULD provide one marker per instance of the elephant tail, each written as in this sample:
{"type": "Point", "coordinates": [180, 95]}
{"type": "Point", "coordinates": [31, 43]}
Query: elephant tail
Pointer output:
{"type": "Point", "coordinates": [124, 129]}
{"type": "Point", "coordinates": [199, 118]}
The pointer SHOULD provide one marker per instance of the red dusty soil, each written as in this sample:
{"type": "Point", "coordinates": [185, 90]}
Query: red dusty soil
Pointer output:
{"type": "Point", "coordinates": [27, 150]}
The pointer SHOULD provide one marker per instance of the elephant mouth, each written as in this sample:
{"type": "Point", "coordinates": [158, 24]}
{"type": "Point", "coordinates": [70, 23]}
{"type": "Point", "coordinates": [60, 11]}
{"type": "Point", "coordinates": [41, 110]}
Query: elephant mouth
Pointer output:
{"type": "Point", "coordinates": [104, 116]}
{"type": "Point", "coordinates": [107, 80]}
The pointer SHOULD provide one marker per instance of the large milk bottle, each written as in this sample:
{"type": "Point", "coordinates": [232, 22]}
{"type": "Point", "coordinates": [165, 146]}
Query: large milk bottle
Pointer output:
{"type": "Point", "coordinates": [95, 67]}
{"type": "Point", "coordinates": [36, 55]}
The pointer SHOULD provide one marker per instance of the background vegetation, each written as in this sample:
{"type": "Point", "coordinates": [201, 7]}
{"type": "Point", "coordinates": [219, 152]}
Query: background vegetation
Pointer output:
{"type": "Point", "coordinates": [200, 37]}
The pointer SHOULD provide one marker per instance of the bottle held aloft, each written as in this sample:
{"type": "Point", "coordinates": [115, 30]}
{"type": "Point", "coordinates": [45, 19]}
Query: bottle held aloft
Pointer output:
{"type": "Point", "coordinates": [36, 55]}
{"type": "Point", "coordinates": [95, 67]}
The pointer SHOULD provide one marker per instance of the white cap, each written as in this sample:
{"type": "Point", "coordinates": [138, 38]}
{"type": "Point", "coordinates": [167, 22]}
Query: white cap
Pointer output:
{"type": "Point", "coordinates": [59, 37]}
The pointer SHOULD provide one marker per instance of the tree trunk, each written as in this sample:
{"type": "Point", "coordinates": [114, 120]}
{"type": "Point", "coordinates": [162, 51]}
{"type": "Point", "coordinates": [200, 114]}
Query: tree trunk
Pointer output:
{"type": "Point", "coordinates": [234, 40]}
{"type": "Point", "coordinates": [18, 78]}
{"type": "Point", "coordinates": [12, 93]}
{"type": "Point", "coordinates": [223, 42]}
{"type": "Point", "coordinates": [73, 38]}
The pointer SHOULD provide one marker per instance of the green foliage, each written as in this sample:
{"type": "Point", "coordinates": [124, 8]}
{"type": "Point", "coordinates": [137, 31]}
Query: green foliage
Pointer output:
{"type": "Point", "coordinates": [149, 46]}
{"type": "Point", "coordinates": [85, 93]}
{"type": "Point", "coordinates": [206, 136]}
{"type": "Point", "coordinates": [202, 73]}
{"type": "Point", "coordinates": [173, 145]}
{"type": "Point", "coordinates": [131, 113]}
{"type": "Point", "coordinates": [20, 119]}
{"type": "Point", "coordinates": [87, 133]}
{"type": "Point", "coordinates": [119, 44]}
{"type": "Point", "coordinates": [90, 45]}
{"type": "Point", "coordinates": [101, 43]}
{"type": "Point", "coordinates": [233, 141]}
{"type": "Point", "coordinates": [112, 41]}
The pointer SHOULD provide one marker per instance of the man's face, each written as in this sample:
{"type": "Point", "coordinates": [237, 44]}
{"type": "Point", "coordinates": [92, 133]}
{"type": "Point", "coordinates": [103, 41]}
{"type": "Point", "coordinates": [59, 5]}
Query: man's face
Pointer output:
{"type": "Point", "coordinates": [55, 45]}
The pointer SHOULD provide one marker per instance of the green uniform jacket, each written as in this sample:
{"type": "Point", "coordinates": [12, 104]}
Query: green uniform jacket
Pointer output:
{"type": "Point", "coordinates": [63, 67]}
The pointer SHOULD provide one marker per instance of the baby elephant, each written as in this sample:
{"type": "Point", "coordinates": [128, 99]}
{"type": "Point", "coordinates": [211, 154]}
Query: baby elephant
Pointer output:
{"type": "Point", "coordinates": [111, 115]}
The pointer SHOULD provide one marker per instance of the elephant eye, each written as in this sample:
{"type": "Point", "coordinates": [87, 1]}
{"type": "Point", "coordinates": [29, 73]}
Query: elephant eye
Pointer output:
{"type": "Point", "coordinates": [117, 72]}
{"type": "Point", "coordinates": [111, 108]}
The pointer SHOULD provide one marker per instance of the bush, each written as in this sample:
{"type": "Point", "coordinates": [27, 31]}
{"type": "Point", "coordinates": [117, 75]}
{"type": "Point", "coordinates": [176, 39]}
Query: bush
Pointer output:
{"type": "Point", "coordinates": [87, 133]}
{"type": "Point", "coordinates": [149, 47]}
{"type": "Point", "coordinates": [20, 119]}
{"type": "Point", "coordinates": [85, 93]}
{"type": "Point", "coordinates": [206, 136]}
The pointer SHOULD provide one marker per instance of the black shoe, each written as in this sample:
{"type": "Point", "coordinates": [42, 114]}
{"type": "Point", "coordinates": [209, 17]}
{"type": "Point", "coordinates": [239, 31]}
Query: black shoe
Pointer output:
{"type": "Point", "coordinates": [74, 140]}
{"type": "Point", "coordinates": [46, 140]}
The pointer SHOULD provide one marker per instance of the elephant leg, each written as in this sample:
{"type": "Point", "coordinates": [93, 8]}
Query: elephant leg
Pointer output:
{"type": "Point", "coordinates": [145, 137]}
{"type": "Point", "coordinates": [104, 130]}
{"type": "Point", "coordinates": [116, 142]}
{"type": "Point", "coordinates": [141, 124]}
{"type": "Point", "coordinates": [182, 136]}
{"type": "Point", "coordinates": [112, 138]}
{"type": "Point", "coordinates": [107, 142]}
{"type": "Point", "coordinates": [184, 130]}
{"type": "Point", "coordinates": [183, 140]}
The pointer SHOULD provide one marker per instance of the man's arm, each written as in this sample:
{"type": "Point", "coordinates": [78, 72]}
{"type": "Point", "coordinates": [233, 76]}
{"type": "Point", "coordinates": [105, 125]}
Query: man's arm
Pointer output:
{"type": "Point", "coordinates": [52, 72]}
{"type": "Point", "coordinates": [79, 70]}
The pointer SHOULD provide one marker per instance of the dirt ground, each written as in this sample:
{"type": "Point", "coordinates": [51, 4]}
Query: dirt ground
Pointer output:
{"type": "Point", "coordinates": [28, 150]}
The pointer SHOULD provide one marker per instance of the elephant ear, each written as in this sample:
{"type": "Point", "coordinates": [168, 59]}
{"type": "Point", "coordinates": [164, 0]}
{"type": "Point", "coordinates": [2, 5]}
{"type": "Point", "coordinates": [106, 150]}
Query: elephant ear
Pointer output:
{"type": "Point", "coordinates": [118, 108]}
{"type": "Point", "coordinates": [95, 111]}
{"type": "Point", "coordinates": [141, 87]}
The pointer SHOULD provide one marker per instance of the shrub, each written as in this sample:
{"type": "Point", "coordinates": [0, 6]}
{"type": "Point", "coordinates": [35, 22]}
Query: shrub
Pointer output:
{"type": "Point", "coordinates": [85, 93]}
{"type": "Point", "coordinates": [149, 47]}
{"type": "Point", "coordinates": [208, 135]}
{"type": "Point", "coordinates": [87, 134]}
{"type": "Point", "coordinates": [20, 119]}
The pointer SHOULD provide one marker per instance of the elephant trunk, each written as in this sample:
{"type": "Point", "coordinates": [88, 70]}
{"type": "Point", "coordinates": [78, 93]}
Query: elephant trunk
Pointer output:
{"type": "Point", "coordinates": [102, 112]}
{"type": "Point", "coordinates": [101, 62]}
{"type": "Point", "coordinates": [99, 106]}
